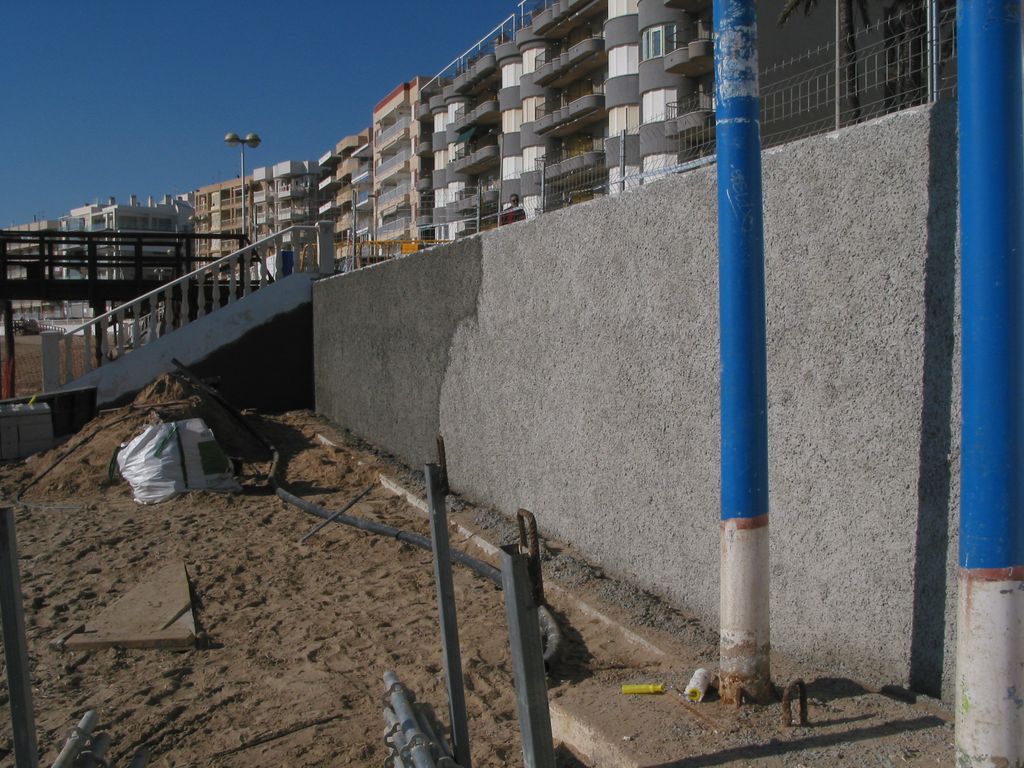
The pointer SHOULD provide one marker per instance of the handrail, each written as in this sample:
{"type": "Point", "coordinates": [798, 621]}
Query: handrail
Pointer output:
{"type": "Point", "coordinates": [195, 273]}
{"type": "Point", "coordinates": [175, 304]}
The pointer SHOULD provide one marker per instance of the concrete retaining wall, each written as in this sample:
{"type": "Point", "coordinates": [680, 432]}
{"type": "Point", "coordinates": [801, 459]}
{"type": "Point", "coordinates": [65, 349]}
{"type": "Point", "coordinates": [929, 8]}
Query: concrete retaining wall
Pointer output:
{"type": "Point", "coordinates": [571, 363]}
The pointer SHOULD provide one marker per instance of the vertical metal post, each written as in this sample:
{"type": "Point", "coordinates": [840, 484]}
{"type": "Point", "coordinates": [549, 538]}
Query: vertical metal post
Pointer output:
{"type": "Point", "coordinates": [449, 620]}
{"type": "Point", "coordinates": [19, 682]}
{"type": "Point", "coordinates": [8, 379]}
{"type": "Point", "coordinates": [934, 48]}
{"type": "Point", "coordinates": [839, 69]}
{"type": "Point", "coordinates": [245, 233]}
{"type": "Point", "coordinates": [50, 348]}
{"type": "Point", "coordinates": [622, 161]}
{"type": "Point", "coordinates": [479, 204]}
{"type": "Point", "coordinates": [990, 616]}
{"type": "Point", "coordinates": [744, 631]}
{"type": "Point", "coordinates": [543, 185]}
{"type": "Point", "coordinates": [527, 659]}
{"type": "Point", "coordinates": [501, 177]}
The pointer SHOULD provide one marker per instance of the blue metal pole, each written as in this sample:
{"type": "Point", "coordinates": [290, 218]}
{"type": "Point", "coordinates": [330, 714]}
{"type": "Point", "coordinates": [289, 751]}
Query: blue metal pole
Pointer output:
{"type": "Point", "coordinates": [990, 630]}
{"type": "Point", "coordinates": [745, 643]}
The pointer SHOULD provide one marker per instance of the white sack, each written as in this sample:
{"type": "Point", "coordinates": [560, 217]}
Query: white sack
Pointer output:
{"type": "Point", "coordinates": [168, 459]}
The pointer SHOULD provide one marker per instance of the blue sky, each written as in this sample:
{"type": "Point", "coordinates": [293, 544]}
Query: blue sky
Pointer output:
{"type": "Point", "coordinates": [112, 97]}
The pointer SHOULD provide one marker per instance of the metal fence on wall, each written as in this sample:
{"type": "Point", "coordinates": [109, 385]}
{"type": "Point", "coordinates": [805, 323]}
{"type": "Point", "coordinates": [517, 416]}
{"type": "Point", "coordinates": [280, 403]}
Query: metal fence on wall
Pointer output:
{"type": "Point", "coordinates": [904, 60]}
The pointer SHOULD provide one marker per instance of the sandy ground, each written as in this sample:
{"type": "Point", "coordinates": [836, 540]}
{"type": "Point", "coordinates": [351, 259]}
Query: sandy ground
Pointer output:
{"type": "Point", "coordinates": [293, 635]}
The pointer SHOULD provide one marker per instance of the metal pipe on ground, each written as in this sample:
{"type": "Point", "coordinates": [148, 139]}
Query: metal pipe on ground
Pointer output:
{"type": "Point", "coordinates": [76, 740]}
{"type": "Point", "coordinates": [990, 614]}
{"type": "Point", "coordinates": [744, 633]}
{"type": "Point", "coordinates": [417, 744]}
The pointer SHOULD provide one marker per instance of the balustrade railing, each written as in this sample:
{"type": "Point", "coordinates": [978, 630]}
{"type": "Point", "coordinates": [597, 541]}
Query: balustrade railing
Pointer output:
{"type": "Point", "coordinates": [218, 284]}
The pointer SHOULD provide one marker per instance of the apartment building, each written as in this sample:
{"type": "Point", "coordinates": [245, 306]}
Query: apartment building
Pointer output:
{"type": "Point", "coordinates": [171, 214]}
{"type": "Point", "coordinates": [340, 167]}
{"type": "Point", "coordinates": [570, 91]}
{"type": "Point", "coordinates": [218, 209]}
{"type": "Point", "coordinates": [396, 164]}
{"type": "Point", "coordinates": [285, 194]}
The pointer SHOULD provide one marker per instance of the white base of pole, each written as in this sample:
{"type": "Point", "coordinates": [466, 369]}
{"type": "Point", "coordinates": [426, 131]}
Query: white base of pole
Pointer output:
{"type": "Point", "coordinates": [745, 641]}
{"type": "Point", "coordinates": [990, 669]}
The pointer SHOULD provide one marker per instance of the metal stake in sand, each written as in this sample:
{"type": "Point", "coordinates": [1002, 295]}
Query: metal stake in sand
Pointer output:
{"type": "Point", "coordinates": [449, 621]}
{"type": "Point", "coordinates": [527, 659]}
{"type": "Point", "coordinates": [990, 617]}
{"type": "Point", "coordinates": [744, 631]}
{"type": "Point", "coordinates": [19, 682]}
{"type": "Point", "coordinates": [335, 515]}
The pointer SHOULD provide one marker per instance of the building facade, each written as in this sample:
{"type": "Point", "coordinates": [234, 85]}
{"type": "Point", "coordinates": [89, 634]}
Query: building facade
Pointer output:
{"type": "Point", "coordinates": [218, 209]}
{"type": "Point", "coordinates": [396, 164]}
{"type": "Point", "coordinates": [345, 175]}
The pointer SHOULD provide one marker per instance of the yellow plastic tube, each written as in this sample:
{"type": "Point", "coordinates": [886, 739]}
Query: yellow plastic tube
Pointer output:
{"type": "Point", "coordinates": [644, 688]}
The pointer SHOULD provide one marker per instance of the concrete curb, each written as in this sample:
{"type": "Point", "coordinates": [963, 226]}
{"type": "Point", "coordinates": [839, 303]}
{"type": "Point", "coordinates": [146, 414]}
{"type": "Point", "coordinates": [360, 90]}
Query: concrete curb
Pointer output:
{"type": "Point", "coordinates": [566, 726]}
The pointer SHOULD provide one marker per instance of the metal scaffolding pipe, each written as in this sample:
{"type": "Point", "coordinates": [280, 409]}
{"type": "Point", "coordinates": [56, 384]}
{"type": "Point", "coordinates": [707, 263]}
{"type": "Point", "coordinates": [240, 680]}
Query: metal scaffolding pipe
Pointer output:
{"type": "Point", "coordinates": [417, 743]}
{"type": "Point", "coordinates": [990, 616]}
{"type": "Point", "coordinates": [76, 742]}
{"type": "Point", "coordinates": [744, 632]}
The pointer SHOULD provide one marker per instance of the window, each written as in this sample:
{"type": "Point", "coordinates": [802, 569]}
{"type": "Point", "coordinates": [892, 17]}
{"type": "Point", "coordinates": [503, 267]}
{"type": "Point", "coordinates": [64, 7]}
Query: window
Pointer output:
{"type": "Point", "coordinates": [511, 121]}
{"type": "Point", "coordinates": [530, 60]}
{"type": "Point", "coordinates": [510, 74]}
{"type": "Point", "coordinates": [625, 118]}
{"type": "Point", "coordinates": [530, 108]}
{"type": "Point", "coordinates": [671, 36]}
{"type": "Point", "coordinates": [621, 8]}
{"type": "Point", "coordinates": [531, 158]}
{"type": "Point", "coordinates": [622, 60]}
{"type": "Point", "coordinates": [512, 167]}
{"type": "Point", "coordinates": [654, 102]}
{"type": "Point", "coordinates": [439, 120]}
{"type": "Point", "coordinates": [652, 43]}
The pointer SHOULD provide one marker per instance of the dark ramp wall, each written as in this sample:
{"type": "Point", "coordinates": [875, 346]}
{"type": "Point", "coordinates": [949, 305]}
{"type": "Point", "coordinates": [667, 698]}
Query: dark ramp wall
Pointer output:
{"type": "Point", "coordinates": [270, 368]}
{"type": "Point", "coordinates": [571, 363]}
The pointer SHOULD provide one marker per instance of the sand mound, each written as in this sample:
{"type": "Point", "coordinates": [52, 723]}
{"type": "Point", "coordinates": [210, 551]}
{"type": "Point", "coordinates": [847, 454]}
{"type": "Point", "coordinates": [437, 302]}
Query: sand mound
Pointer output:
{"type": "Point", "coordinates": [89, 468]}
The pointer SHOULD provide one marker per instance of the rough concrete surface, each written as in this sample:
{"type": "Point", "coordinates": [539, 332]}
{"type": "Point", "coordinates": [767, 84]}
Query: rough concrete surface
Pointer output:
{"type": "Point", "coordinates": [585, 385]}
{"type": "Point", "coordinates": [381, 343]}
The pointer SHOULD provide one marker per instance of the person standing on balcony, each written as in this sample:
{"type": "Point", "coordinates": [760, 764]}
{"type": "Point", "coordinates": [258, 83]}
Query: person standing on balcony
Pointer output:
{"type": "Point", "coordinates": [512, 212]}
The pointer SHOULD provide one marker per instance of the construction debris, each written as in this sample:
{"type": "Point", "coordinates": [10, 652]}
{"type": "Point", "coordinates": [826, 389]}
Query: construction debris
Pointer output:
{"type": "Point", "coordinates": [157, 613]}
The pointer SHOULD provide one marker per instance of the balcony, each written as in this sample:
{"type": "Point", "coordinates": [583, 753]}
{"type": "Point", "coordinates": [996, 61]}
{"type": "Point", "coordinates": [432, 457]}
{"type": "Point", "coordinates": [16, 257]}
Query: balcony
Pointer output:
{"type": "Point", "coordinates": [260, 196]}
{"type": "Point", "coordinates": [691, 121]}
{"type": "Point", "coordinates": [349, 167]}
{"type": "Point", "coordinates": [583, 162]}
{"type": "Point", "coordinates": [364, 201]}
{"type": "Point", "coordinates": [263, 174]}
{"type": "Point", "coordinates": [476, 161]}
{"type": "Point", "coordinates": [569, 119]}
{"type": "Point", "coordinates": [566, 15]}
{"type": "Point", "coordinates": [392, 197]}
{"type": "Point", "coordinates": [291, 191]}
{"type": "Point", "coordinates": [422, 112]}
{"type": "Point", "coordinates": [485, 113]}
{"type": "Point", "coordinates": [329, 159]}
{"type": "Point", "coordinates": [329, 184]}
{"type": "Point", "coordinates": [362, 179]}
{"type": "Point", "coordinates": [425, 148]}
{"type": "Point", "coordinates": [289, 168]}
{"type": "Point", "coordinates": [286, 215]}
{"type": "Point", "coordinates": [387, 136]}
{"type": "Point", "coordinates": [329, 207]}
{"type": "Point", "coordinates": [397, 163]}
{"type": "Point", "coordinates": [580, 60]}
{"type": "Point", "coordinates": [467, 201]}
{"type": "Point", "coordinates": [692, 59]}
{"type": "Point", "coordinates": [393, 228]}
{"type": "Point", "coordinates": [425, 220]}
{"type": "Point", "coordinates": [477, 76]}
{"type": "Point", "coordinates": [425, 183]}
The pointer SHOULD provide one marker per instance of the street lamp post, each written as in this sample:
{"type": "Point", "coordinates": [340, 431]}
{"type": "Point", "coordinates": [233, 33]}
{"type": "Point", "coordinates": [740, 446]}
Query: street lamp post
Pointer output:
{"type": "Point", "coordinates": [252, 140]}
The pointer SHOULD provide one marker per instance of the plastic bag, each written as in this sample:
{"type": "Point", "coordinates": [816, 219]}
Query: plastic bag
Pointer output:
{"type": "Point", "coordinates": [169, 459]}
